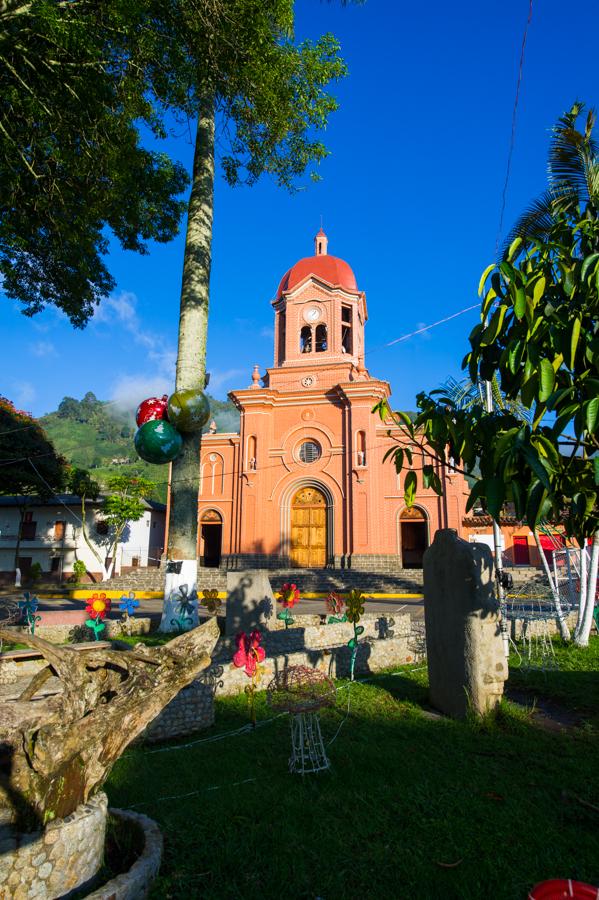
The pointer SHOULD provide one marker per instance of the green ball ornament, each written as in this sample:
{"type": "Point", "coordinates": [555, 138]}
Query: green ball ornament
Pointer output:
{"type": "Point", "coordinates": [188, 410]}
{"type": "Point", "coordinates": [157, 442]}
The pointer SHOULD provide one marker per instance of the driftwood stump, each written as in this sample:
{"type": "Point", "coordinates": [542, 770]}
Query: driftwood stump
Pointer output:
{"type": "Point", "coordinates": [57, 751]}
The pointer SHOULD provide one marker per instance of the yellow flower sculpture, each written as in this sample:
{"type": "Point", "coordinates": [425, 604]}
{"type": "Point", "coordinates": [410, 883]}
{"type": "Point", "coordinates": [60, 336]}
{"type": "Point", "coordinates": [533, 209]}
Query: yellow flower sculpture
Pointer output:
{"type": "Point", "coordinates": [211, 600]}
{"type": "Point", "coordinates": [354, 606]}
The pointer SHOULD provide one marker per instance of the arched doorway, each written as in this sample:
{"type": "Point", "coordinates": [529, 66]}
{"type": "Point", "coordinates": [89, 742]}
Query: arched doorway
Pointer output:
{"type": "Point", "coordinates": [308, 546]}
{"type": "Point", "coordinates": [211, 536]}
{"type": "Point", "coordinates": [414, 537]}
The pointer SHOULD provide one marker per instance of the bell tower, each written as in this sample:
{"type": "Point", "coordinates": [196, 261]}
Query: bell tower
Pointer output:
{"type": "Point", "coordinates": [319, 319]}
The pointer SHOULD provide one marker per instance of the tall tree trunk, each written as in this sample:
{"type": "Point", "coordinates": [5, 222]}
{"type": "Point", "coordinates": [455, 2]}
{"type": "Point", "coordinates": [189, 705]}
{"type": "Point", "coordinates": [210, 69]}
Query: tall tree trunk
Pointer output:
{"type": "Point", "coordinates": [191, 362]}
{"type": "Point", "coordinates": [561, 618]}
{"type": "Point", "coordinates": [18, 547]}
{"type": "Point", "coordinates": [87, 539]}
{"type": "Point", "coordinates": [587, 602]}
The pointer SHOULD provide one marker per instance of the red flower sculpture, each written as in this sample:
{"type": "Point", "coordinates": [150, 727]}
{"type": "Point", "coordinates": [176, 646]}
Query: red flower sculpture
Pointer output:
{"type": "Point", "coordinates": [249, 652]}
{"type": "Point", "coordinates": [98, 606]}
{"type": "Point", "coordinates": [289, 595]}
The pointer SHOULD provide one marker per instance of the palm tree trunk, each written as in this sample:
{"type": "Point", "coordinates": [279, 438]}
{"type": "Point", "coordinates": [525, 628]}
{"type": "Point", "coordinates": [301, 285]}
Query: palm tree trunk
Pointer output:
{"type": "Point", "coordinates": [191, 360]}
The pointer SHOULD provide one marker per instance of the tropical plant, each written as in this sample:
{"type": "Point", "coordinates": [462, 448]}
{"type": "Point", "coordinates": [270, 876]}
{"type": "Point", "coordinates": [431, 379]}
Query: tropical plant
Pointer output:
{"type": "Point", "coordinates": [466, 394]}
{"type": "Point", "coordinates": [124, 504]}
{"type": "Point", "coordinates": [573, 173]}
{"type": "Point", "coordinates": [539, 335]}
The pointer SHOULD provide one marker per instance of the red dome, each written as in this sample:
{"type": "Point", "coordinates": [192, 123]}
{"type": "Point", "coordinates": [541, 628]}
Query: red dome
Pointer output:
{"type": "Point", "coordinates": [331, 269]}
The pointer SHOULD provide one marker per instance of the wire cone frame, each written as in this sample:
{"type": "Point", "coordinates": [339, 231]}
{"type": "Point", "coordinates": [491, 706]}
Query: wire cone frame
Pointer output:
{"type": "Point", "coordinates": [298, 689]}
{"type": "Point", "coordinates": [303, 691]}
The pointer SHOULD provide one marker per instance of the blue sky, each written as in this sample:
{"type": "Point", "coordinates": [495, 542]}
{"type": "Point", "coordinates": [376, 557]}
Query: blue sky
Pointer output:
{"type": "Point", "coordinates": [410, 197]}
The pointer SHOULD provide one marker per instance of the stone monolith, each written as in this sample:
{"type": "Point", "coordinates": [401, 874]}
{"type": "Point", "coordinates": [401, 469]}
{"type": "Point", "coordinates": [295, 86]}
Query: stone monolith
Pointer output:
{"type": "Point", "coordinates": [466, 663]}
{"type": "Point", "coordinates": [250, 601]}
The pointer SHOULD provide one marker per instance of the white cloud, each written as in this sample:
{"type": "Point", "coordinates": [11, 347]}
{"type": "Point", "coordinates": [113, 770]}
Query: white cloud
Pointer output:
{"type": "Point", "coordinates": [121, 309]}
{"type": "Point", "coordinates": [23, 393]}
{"type": "Point", "coordinates": [43, 348]}
{"type": "Point", "coordinates": [129, 390]}
{"type": "Point", "coordinates": [267, 333]}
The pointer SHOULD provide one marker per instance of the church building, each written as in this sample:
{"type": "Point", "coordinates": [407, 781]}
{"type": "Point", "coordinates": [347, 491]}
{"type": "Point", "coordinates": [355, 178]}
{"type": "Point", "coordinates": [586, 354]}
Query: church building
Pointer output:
{"type": "Point", "coordinates": [304, 484]}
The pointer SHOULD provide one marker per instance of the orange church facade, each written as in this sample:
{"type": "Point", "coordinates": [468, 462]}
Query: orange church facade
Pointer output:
{"type": "Point", "coordinates": [303, 483]}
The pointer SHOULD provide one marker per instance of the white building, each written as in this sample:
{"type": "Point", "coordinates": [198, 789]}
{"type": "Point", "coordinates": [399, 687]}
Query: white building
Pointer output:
{"type": "Point", "coordinates": [51, 535]}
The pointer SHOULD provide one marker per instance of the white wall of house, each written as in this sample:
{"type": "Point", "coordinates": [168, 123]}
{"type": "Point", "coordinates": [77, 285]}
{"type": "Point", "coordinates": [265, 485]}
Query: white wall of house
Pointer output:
{"type": "Point", "coordinates": [58, 539]}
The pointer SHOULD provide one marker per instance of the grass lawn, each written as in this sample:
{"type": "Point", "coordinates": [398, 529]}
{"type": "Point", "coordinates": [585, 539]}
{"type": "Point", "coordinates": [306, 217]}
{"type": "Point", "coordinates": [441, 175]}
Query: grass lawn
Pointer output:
{"type": "Point", "coordinates": [413, 806]}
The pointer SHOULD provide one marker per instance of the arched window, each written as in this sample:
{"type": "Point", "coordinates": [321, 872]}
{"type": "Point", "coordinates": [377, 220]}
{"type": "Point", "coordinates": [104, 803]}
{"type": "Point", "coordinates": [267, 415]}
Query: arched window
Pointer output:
{"type": "Point", "coordinates": [306, 339]}
{"type": "Point", "coordinates": [281, 350]}
{"type": "Point", "coordinates": [251, 461]}
{"type": "Point", "coordinates": [321, 338]}
{"type": "Point", "coordinates": [361, 448]}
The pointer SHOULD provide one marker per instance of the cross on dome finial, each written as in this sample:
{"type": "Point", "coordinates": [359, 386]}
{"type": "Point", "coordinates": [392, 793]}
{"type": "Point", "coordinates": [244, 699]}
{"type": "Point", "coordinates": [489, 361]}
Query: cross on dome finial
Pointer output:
{"type": "Point", "coordinates": [320, 242]}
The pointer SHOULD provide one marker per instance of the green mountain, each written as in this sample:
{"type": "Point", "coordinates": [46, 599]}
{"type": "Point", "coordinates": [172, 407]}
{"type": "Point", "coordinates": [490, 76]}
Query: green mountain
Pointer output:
{"type": "Point", "coordinates": [96, 435]}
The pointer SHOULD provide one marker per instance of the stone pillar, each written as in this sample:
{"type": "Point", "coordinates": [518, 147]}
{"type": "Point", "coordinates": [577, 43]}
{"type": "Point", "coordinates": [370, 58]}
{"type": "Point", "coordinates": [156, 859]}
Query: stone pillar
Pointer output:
{"type": "Point", "coordinates": [466, 663]}
{"type": "Point", "coordinates": [250, 602]}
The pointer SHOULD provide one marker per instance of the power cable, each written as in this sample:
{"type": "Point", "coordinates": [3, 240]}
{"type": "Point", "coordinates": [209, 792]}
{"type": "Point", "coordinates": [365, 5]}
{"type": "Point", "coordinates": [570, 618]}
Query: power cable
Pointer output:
{"type": "Point", "coordinates": [513, 132]}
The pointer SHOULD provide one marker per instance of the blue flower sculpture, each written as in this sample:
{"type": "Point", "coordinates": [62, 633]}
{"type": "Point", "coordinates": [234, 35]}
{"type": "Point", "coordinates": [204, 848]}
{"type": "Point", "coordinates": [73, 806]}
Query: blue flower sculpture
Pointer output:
{"type": "Point", "coordinates": [128, 604]}
{"type": "Point", "coordinates": [28, 606]}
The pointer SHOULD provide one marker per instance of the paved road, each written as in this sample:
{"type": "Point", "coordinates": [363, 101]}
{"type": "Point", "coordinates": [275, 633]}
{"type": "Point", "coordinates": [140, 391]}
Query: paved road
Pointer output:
{"type": "Point", "coordinates": [153, 608]}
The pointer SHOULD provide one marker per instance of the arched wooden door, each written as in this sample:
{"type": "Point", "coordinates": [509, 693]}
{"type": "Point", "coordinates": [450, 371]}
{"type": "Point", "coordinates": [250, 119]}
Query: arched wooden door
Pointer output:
{"type": "Point", "coordinates": [309, 529]}
{"type": "Point", "coordinates": [414, 537]}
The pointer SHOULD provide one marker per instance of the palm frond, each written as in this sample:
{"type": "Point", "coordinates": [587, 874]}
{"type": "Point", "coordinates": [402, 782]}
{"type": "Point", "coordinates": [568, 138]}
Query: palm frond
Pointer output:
{"type": "Point", "coordinates": [535, 222]}
{"type": "Point", "coordinates": [572, 153]}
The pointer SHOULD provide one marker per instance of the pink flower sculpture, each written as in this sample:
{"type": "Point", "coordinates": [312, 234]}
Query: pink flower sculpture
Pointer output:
{"type": "Point", "coordinates": [334, 604]}
{"type": "Point", "coordinates": [249, 652]}
{"type": "Point", "coordinates": [289, 595]}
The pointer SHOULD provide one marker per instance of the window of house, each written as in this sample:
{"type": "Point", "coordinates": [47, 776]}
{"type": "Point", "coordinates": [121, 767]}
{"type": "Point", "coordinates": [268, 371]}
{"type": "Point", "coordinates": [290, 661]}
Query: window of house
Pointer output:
{"type": "Point", "coordinates": [101, 526]}
{"type": "Point", "coordinates": [321, 338]}
{"type": "Point", "coordinates": [59, 530]}
{"type": "Point", "coordinates": [309, 452]}
{"type": "Point", "coordinates": [28, 528]}
{"type": "Point", "coordinates": [55, 564]}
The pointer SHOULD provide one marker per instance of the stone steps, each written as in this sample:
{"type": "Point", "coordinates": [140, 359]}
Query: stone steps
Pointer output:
{"type": "Point", "coordinates": [308, 580]}
{"type": "Point", "coordinates": [407, 581]}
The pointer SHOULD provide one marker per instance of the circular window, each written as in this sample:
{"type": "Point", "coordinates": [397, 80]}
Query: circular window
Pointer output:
{"type": "Point", "coordinates": [309, 452]}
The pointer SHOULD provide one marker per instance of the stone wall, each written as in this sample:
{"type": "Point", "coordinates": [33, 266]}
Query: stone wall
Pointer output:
{"type": "Point", "coordinates": [134, 884]}
{"type": "Point", "coordinates": [381, 563]}
{"type": "Point", "coordinates": [60, 632]}
{"type": "Point", "coordinates": [191, 710]}
{"type": "Point", "coordinates": [384, 643]}
{"type": "Point", "coordinates": [53, 862]}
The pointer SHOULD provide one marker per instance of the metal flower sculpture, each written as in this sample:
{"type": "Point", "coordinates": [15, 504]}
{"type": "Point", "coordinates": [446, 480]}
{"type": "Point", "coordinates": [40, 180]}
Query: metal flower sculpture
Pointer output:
{"type": "Point", "coordinates": [187, 603]}
{"type": "Point", "coordinates": [335, 604]}
{"type": "Point", "coordinates": [127, 605]}
{"type": "Point", "coordinates": [288, 596]}
{"type": "Point", "coordinates": [211, 601]}
{"type": "Point", "coordinates": [28, 606]}
{"type": "Point", "coordinates": [97, 608]}
{"type": "Point", "coordinates": [248, 656]}
{"type": "Point", "coordinates": [355, 609]}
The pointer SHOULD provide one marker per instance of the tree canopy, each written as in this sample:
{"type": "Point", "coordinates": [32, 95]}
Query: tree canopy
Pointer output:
{"type": "Point", "coordinates": [539, 337]}
{"type": "Point", "coordinates": [79, 80]}
{"type": "Point", "coordinates": [22, 439]}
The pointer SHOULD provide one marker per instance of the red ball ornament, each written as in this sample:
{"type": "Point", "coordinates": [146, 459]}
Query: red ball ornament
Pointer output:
{"type": "Point", "coordinates": [152, 408]}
